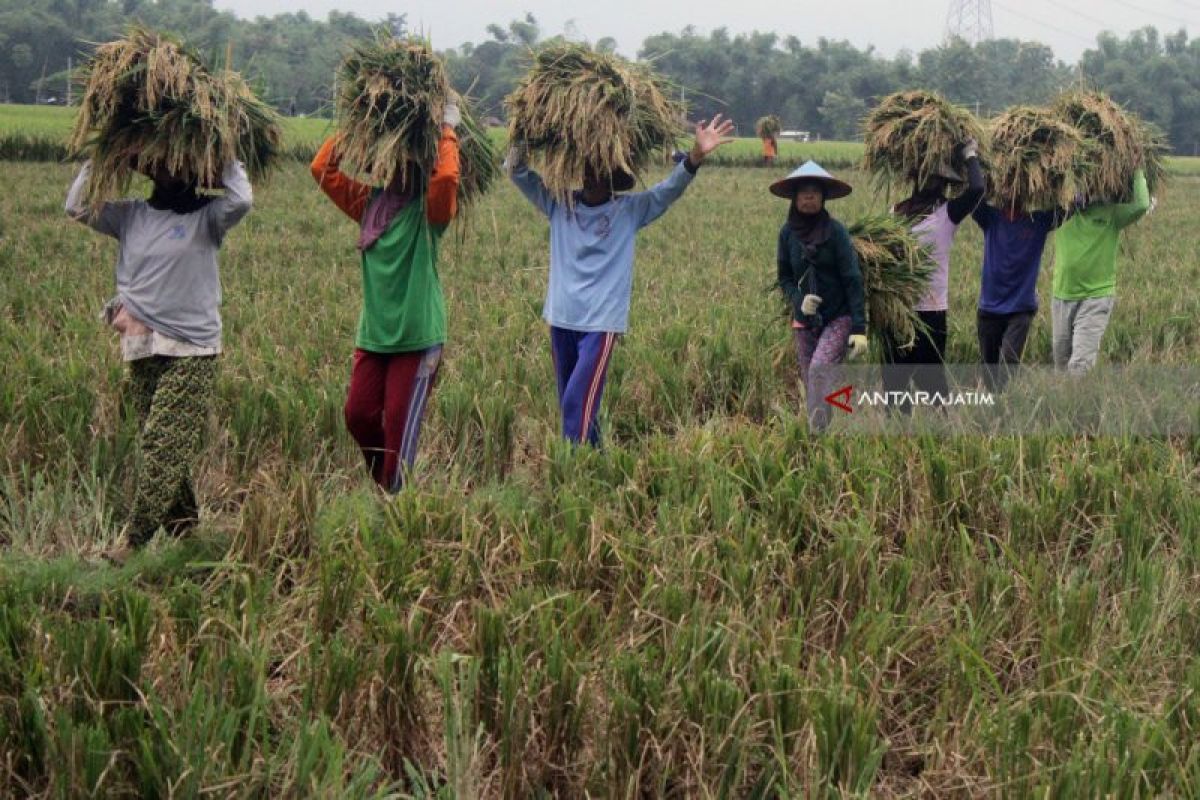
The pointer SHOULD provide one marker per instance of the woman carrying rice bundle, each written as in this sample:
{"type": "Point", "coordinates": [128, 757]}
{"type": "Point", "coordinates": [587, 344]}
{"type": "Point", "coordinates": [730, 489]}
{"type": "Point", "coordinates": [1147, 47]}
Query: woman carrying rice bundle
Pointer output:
{"type": "Point", "coordinates": [148, 106]}
{"type": "Point", "coordinates": [592, 121]}
{"type": "Point", "coordinates": [167, 311]}
{"type": "Point", "coordinates": [402, 324]}
{"type": "Point", "coordinates": [422, 157]}
{"type": "Point", "coordinates": [819, 274]}
{"type": "Point", "coordinates": [1013, 241]}
{"type": "Point", "coordinates": [768, 129]}
{"type": "Point", "coordinates": [1037, 168]}
{"type": "Point", "coordinates": [591, 269]}
{"type": "Point", "coordinates": [935, 221]}
{"type": "Point", "coordinates": [1126, 160]}
{"type": "Point", "coordinates": [1085, 275]}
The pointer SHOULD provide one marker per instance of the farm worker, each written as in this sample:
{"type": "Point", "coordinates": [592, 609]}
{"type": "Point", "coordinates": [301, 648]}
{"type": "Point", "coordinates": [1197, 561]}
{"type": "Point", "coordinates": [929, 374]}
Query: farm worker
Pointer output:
{"type": "Point", "coordinates": [591, 269]}
{"type": "Point", "coordinates": [1085, 276]}
{"type": "Point", "coordinates": [166, 310]}
{"type": "Point", "coordinates": [1013, 241]}
{"type": "Point", "coordinates": [402, 323]}
{"type": "Point", "coordinates": [935, 222]}
{"type": "Point", "coordinates": [819, 274]}
{"type": "Point", "coordinates": [770, 149]}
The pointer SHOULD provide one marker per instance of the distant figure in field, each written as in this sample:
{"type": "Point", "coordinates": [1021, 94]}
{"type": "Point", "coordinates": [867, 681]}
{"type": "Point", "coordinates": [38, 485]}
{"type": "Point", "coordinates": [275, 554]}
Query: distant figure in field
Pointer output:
{"type": "Point", "coordinates": [166, 310]}
{"type": "Point", "coordinates": [770, 149]}
{"type": "Point", "coordinates": [402, 325]}
{"type": "Point", "coordinates": [591, 269]}
{"type": "Point", "coordinates": [1013, 241]}
{"type": "Point", "coordinates": [819, 274]}
{"type": "Point", "coordinates": [1085, 276]}
{"type": "Point", "coordinates": [935, 221]}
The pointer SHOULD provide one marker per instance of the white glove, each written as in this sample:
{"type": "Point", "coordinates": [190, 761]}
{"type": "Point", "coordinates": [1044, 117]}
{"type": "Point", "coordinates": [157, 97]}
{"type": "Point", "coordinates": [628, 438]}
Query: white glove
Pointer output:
{"type": "Point", "coordinates": [857, 344]}
{"type": "Point", "coordinates": [810, 304]}
{"type": "Point", "coordinates": [450, 114]}
{"type": "Point", "coordinates": [518, 155]}
{"type": "Point", "coordinates": [970, 148]}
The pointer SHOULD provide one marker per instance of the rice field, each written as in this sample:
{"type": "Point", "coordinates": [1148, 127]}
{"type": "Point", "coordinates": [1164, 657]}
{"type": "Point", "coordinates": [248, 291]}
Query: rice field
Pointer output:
{"type": "Point", "coordinates": [716, 604]}
{"type": "Point", "coordinates": [50, 126]}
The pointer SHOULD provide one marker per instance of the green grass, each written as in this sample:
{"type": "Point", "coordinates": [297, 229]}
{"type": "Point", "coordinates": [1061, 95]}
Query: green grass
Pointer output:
{"type": "Point", "coordinates": [716, 604]}
{"type": "Point", "coordinates": [37, 133]}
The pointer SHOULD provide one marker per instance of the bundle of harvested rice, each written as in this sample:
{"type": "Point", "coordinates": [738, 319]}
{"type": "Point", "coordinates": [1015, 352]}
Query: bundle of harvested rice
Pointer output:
{"type": "Point", "coordinates": [896, 269]}
{"type": "Point", "coordinates": [150, 103]}
{"type": "Point", "coordinates": [915, 135]}
{"type": "Point", "coordinates": [1039, 160]}
{"type": "Point", "coordinates": [1123, 142]}
{"type": "Point", "coordinates": [391, 97]}
{"type": "Point", "coordinates": [578, 110]}
{"type": "Point", "coordinates": [768, 127]}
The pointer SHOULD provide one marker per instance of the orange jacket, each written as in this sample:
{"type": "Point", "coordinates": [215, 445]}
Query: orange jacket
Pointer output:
{"type": "Point", "coordinates": [441, 197]}
{"type": "Point", "coordinates": [769, 148]}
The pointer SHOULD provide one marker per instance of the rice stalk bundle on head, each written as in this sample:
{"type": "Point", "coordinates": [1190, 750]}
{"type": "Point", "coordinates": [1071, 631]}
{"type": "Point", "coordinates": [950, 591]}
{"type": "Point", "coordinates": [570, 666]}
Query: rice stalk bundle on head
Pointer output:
{"type": "Point", "coordinates": [913, 135]}
{"type": "Point", "coordinates": [150, 103]}
{"type": "Point", "coordinates": [1040, 161]}
{"type": "Point", "coordinates": [896, 269]}
{"type": "Point", "coordinates": [1121, 140]}
{"type": "Point", "coordinates": [579, 112]}
{"type": "Point", "coordinates": [768, 127]}
{"type": "Point", "coordinates": [390, 102]}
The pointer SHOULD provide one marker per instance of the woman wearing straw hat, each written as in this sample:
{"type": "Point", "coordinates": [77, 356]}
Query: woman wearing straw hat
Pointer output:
{"type": "Point", "coordinates": [167, 310]}
{"type": "Point", "coordinates": [402, 326]}
{"type": "Point", "coordinates": [819, 274]}
{"type": "Point", "coordinates": [935, 221]}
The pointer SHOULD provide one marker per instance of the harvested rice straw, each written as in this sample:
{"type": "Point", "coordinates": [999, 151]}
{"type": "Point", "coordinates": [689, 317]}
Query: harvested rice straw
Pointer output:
{"type": "Point", "coordinates": [150, 103]}
{"type": "Point", "coordinates": [896, 268]}
{"type": "Point", "coordinates": [768, 127]}
{"type": "Point", "coordinates": [579, 110]}
{"type": "Point", "coordinates": [1123, 142]}
{"type": "Point", "coordinates": [1040, 161]}
{"type": "Point", "coordinates": [914, 134]}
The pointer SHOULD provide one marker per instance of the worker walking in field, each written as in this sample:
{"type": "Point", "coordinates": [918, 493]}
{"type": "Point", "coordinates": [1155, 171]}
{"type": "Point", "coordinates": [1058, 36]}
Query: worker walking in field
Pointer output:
{"type": "Point", "coordinates": [402, 324]}
{"type": "Point", "coordinates": [770, 150]}
{"type": "Point", "coordinates": [167, 311]}
{"type": "Point", "coordinates": [1013, 241]}
{"type": "Point", "coordinates": [1085, 275]}
{"type": "Point", "coordinates": [591, 269]}
{"type": "Point", "coordinates": [819, 273]}
{"type": "Point", "coordinates": [935, 221]}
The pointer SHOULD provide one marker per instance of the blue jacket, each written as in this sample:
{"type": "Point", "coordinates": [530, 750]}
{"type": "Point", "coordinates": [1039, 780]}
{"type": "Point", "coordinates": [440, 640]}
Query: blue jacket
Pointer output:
{"type": "Point", "coordinates": [592, 247]}
{"type": "Point", "coordinates": [1012, 256]}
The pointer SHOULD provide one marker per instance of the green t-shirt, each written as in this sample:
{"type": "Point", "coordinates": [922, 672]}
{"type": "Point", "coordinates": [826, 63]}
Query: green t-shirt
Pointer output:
{"type": "Point", "coordinates": [403, 308]}
{"type": "Point", "coordinates": [1085, 247]}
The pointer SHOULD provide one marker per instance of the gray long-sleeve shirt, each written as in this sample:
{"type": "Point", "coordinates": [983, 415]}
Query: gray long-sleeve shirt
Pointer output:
{"type": "Point", "coordinates": [167, 262]}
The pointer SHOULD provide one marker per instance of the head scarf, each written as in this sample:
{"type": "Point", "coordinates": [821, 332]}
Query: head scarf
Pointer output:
{"type": "Point", "coordinates": [811, 229]}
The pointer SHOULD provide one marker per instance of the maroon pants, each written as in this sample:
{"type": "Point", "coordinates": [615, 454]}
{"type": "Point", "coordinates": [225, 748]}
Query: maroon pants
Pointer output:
{"type": "Point", "coordinates": [385, 406]}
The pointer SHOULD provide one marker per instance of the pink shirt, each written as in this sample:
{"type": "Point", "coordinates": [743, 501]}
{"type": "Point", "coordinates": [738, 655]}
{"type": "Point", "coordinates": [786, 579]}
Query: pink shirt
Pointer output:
{"type": "Point", "coordinates": [936, 232]}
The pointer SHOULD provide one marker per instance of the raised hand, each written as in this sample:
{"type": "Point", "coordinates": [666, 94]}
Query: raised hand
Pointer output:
{"type": "Point", "coordinates": [709, 136]}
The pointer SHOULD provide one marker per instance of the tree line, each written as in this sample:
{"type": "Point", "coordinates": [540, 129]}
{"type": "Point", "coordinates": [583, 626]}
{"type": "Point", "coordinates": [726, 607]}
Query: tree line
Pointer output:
{"type": "Point", "coordinates": [824, 86]}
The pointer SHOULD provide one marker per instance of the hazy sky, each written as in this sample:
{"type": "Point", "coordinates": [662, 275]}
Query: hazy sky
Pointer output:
{"type": "Point", "coordinates": [1069, 26]}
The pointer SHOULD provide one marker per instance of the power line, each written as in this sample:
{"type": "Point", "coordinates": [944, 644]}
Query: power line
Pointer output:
{"type": "Point", "coordinates": [1143, 10]}
{"type": "Point", "coordinates": [1078, 13]}
{"type": "Point", "coordinates": [1044, 24]}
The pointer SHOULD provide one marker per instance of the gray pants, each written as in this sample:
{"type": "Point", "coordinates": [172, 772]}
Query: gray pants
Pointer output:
{"type": "Point", "coordinates": [1079, 326]}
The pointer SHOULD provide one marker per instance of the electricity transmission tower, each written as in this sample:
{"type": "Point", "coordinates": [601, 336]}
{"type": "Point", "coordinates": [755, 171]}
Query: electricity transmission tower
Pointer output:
{"type": "Point", "coordinates": [969, 20]}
